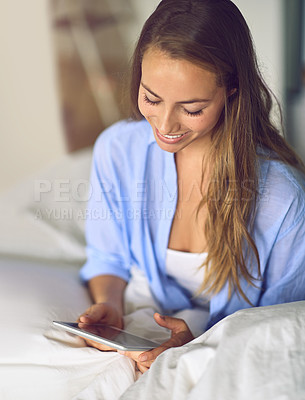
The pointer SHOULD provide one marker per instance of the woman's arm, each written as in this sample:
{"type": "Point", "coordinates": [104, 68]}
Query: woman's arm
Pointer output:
{"type": "Point", "coordinates": [108, 288]}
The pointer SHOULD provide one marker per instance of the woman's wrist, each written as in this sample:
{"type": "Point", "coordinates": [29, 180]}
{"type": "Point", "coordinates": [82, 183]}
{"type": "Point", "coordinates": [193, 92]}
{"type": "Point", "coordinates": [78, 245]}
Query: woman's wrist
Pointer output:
{"type": "Point", "coordinates": [108, 289]}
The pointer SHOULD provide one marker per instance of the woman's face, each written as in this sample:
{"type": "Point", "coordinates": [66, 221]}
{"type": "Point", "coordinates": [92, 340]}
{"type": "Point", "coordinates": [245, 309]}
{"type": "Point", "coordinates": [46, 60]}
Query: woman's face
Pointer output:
{"type": "Point", "coordinates": [180, 100]}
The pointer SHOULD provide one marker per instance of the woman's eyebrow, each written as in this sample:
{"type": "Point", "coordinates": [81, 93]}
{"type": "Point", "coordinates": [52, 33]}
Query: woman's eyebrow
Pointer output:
{"type": "Point", "coordinates": [179, 102]}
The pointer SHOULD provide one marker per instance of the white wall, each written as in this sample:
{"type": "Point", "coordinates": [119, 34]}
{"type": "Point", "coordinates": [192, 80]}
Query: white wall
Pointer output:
{"type": "Point", "coordinates": [141, 10]}
{"type": "Point", "coordinates": [265, 20]}
{"type": "Point", "coordinates": [30, 129]}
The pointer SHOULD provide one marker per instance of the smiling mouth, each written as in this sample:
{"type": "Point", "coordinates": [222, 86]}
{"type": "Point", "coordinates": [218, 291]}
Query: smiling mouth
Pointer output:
{"type": "Point", "coordinates": [171, 139]}
{"type": "Point", "coordinates": [173, 136]}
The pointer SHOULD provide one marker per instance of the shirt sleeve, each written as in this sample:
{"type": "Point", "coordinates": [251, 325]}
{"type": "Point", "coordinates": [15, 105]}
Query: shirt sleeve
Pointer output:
{"type": "Point", "coordinates": [284, 279]}
{"type": "Point", "coordinates": [106, 228]}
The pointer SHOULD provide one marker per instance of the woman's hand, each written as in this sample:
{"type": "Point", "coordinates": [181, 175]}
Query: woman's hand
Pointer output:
{"type": "Point", "coordinates": [107, 293]}
{"type": "Point", "coordinates": [181, 335]}
{"type": "Point", "coordinates": [102, 313]}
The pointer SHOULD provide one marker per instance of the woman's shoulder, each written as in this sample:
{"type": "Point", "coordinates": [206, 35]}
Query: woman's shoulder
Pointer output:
{"type": "Point", "coordinates": [279, 177]}
{"type": "Point", "coordinates": [281, 193]}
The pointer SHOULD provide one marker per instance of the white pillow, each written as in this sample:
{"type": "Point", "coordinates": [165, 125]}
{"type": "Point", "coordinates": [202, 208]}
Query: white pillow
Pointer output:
{"type": "Point", "coordinates": [44, 216]}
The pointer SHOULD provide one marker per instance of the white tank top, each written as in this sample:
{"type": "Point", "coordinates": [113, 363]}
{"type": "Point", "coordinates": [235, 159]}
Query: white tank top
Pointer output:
{"type": "Point", "coordinates": [184, 268]}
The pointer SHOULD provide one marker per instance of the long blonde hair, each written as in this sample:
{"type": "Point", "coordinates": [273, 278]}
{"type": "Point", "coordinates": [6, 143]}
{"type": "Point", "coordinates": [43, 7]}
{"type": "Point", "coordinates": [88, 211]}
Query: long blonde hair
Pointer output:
{"type": "Point", "coordinates": [214, 35]}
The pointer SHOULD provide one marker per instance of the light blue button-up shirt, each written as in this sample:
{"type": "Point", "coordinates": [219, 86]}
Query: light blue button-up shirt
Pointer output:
{"type": "Point", "coordinates": [132, 204]}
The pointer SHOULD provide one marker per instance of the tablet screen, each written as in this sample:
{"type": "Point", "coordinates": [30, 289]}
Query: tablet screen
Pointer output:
{"type": "Point", "coordinates": [108, 335]}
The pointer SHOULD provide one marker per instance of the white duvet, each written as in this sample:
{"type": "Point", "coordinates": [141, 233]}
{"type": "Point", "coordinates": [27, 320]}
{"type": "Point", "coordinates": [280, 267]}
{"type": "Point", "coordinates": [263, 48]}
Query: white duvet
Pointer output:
{"type": "Point", "coordinates": [253, 354]}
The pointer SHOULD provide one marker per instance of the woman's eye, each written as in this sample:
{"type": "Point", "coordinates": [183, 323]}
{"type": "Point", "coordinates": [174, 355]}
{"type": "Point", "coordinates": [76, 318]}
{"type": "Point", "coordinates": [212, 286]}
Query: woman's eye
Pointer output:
{"type": "Point", "coordinates": [148, 101]}
{"type": "Point", "coordinates": [193, 114]}
{"type": "Point", "coordinates": [154, 103]}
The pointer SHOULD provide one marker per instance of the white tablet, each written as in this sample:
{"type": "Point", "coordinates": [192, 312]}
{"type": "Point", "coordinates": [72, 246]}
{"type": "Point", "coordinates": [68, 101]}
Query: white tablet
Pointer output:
{"type": "Point", "coordinates": [108, 335]}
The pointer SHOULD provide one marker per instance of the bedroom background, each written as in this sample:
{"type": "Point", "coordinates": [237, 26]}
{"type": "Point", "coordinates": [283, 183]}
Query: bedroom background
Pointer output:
{"type": "Point", "coordinates": [61, 68]}
{"type": "Point", "coordinates": [62, 64]}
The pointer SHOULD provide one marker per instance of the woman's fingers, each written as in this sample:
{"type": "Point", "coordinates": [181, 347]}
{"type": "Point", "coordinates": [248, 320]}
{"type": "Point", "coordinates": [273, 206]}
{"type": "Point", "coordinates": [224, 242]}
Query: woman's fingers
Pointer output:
{"type": "Point", "coordinates": [98, 346]}
{"type": "Point", "coordinates": [136, 356]}
{"type": "Point", "coordinates": [103, 313]}
{"type": "Point", "coordinates": [142, 368]}
{"type": "Point", "coordinates": [176, 325]}
{"type": "Point", "coordinates": [149, 356]}
{"type": "Point", "coordinates": [100, 313]}
{"type": "Point", "coordinates": [94, 314]}
{"type": "Point", "coordinates": [181, 335]}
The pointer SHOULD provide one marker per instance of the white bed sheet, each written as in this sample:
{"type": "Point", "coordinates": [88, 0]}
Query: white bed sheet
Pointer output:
{"type": "Point", "coordinates": [39, 361]}
{"type": "Point", "coordinates": [42, 247]}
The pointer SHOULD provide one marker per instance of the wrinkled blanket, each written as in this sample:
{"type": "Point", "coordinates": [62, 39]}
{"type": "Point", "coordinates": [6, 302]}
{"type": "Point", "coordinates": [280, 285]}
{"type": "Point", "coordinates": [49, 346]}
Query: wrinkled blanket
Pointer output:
{"type": "Point", "coordinates": [254, 354]}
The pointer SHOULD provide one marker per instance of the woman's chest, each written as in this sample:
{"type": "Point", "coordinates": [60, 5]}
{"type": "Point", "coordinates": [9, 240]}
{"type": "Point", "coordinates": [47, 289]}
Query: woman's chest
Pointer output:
{"type": "Point", "coordinates": [187, 229]}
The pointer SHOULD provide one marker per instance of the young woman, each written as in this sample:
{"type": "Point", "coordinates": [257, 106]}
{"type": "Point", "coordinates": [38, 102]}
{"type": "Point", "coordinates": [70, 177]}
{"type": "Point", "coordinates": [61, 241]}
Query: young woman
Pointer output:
{"type": "Point", "coordinates": [198, 176]}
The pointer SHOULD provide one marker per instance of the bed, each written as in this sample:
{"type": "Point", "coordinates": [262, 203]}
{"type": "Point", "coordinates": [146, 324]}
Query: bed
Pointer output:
{"type": "Point", "coordinates": [257, 353]}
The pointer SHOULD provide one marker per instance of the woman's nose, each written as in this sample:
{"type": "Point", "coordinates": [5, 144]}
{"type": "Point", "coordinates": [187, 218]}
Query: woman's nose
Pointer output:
{"type": "Point", "coordinates": [168, 123]}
